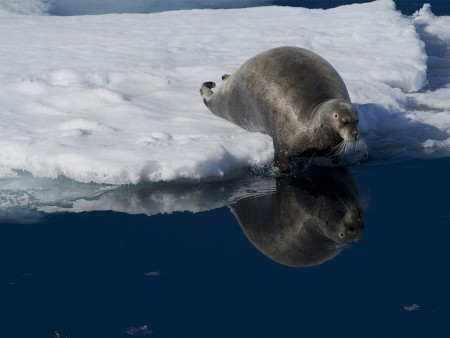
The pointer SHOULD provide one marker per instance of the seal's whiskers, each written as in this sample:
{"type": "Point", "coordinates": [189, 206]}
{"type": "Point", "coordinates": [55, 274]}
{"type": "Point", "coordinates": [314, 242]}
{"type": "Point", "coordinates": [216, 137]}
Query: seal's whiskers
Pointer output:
{"type": "Point", "coordinates": [352, 151]}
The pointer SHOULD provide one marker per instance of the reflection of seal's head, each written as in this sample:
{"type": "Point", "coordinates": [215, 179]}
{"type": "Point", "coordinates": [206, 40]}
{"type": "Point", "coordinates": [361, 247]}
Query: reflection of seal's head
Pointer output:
{"type": "Point", "coordinates": [347, 226]}
{"type": "Point", "coordinates": [303, 221]}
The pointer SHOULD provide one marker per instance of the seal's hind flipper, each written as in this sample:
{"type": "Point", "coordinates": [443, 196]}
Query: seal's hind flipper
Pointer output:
{"type": "Point", "coordinates": [206, 91]}
{"type": "Point", "coordinates": [209, 85]}
{"type": "Point", "coordinates": [225, 77]}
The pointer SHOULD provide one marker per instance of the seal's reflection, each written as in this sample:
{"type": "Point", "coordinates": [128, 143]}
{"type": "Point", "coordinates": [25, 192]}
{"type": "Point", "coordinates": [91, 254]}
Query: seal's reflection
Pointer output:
{"type": "Point", "coordinates": [297, 221]}
{"type": "Point", "coordinates": [305, 220]}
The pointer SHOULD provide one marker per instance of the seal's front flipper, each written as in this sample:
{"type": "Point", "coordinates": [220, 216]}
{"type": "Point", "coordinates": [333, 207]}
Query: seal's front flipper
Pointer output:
{"type": "Point", "coordinates": [206, 91]}
{"type": "Point", "coordinates": [225, 77]}
{"type": "Point", "coordinates": [282, 161]}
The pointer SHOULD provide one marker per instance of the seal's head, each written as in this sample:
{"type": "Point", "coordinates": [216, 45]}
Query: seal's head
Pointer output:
{"type": "Point", "coordinates": [346, 120]}
{"type": "Point", "coordinates": [342, 116]}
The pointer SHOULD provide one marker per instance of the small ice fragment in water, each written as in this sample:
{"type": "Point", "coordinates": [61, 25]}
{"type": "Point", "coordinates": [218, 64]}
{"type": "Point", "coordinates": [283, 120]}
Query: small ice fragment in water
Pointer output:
{"type": "Point", "coordinates": [153, 273]}
{"type": "Point", "coordinates": [56, 334]}
{"type": "Point", "coordinates": [412, 307]}
{"type": "Point", "coordinates": [138, 331]}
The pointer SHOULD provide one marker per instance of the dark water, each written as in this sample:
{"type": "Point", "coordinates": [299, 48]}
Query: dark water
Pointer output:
{"type": "Point", "coordinates": [185, 274]}
{"type": "Point", "coordinates": [407, 7]}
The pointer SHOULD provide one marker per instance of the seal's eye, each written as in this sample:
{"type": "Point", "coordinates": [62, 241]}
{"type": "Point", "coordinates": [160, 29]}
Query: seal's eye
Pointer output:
{"type": "Point", "coordinates": [335, 115]}
{"type": "Point", "coordinates": [345, 122]}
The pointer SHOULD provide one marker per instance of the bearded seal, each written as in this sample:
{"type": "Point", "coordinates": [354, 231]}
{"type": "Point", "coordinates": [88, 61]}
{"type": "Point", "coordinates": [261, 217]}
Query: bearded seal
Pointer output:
{"type": "Point", "coordinates": [297, 98]}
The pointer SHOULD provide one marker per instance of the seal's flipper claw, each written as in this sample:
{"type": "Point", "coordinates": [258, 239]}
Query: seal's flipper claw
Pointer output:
{"type": "Point", "coordinates": [209, 84]}
{"type": "Point", "coordinates": [206, 91]}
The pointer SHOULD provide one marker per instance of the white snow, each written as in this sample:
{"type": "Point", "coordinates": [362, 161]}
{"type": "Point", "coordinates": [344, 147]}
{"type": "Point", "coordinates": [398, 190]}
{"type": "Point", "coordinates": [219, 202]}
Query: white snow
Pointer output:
{"type": "Point", "coordinates": [114, 98]}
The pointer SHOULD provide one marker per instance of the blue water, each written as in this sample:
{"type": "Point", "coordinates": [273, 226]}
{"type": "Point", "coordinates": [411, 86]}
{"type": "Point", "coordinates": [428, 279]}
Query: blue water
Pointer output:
{"type": "Point", "coordinates": [407, 7]}
{"type": "Point", "coordinates": [107, 274]}
{"type": "Point", "coordinates": [184, 274]}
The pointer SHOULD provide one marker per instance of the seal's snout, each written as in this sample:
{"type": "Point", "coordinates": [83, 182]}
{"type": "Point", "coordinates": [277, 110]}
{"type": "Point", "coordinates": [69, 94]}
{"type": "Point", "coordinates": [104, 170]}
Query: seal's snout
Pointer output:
{"type": "Point", "coordinates": [351, 136]}
{"type": "Point", "coordinates": [354, 226]}
{"type": "Point", "coordinates": [353, 232]}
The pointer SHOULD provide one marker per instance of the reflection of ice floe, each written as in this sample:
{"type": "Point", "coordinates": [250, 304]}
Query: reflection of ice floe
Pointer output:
{"type": "Point", "coordinates": [24, 198]}
{"type": "Point", "coordinates": [156, 198]}
{"type": "Point", "coordinates": [299, 220]}
{"type": "Point", "coordinates": [23, 195]}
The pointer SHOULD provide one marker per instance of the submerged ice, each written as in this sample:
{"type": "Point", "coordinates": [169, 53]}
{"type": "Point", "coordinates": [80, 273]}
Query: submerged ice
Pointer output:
{"type": "Point", "coordinates": [114, 98]}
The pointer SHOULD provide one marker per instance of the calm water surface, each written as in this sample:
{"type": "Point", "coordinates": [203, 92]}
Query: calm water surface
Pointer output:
{"type": "Point", "coordinates": [198, 274]}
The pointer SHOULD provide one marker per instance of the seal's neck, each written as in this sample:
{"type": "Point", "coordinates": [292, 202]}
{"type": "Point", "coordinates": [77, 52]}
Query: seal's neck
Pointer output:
{"type": "Point", "coordinates": [315, 142]}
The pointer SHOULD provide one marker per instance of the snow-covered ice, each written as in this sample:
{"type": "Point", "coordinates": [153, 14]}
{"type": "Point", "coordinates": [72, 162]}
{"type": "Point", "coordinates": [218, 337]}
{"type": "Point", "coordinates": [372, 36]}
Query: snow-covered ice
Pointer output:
{"type": "Point", "coordinates": [113, 99]}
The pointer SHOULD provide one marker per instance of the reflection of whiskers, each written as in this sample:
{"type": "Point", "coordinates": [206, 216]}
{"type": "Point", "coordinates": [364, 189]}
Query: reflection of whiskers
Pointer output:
{"type": "Point", "coordinates": [352, 151]}
{"type": "Point", "coordinates": [346, 204]}
{"type": "Point", "coordinates": [339, 245]}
